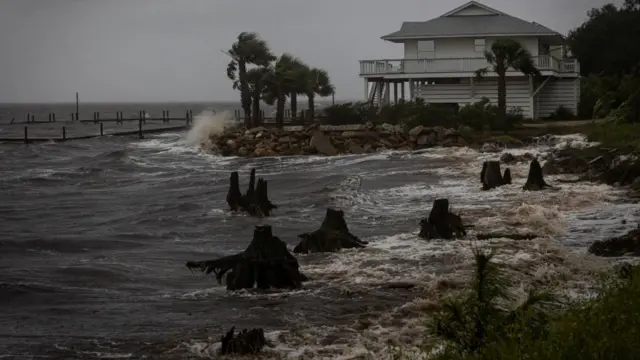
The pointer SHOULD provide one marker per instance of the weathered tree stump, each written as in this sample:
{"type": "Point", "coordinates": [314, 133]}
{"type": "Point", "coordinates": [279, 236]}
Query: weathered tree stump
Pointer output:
{"type": "Point", "coordinates": [332, 236]}
{"type": "Point", "coordinates": [441, 223]}
{"type": "Point", "coordinates": [255, 201]}
{"type": "Point", "coordinates": [491, 176]}
{"type": "Point", "coordinates": [234, 196]}
{"type": "Point", "coordinates": [265, 263]}
{"type": "Point", "coordinates": [243, 343]}
{"type": "Point", "coordinates": [535, 181]}
{"type": "Point", "coordinates": [506, 178]}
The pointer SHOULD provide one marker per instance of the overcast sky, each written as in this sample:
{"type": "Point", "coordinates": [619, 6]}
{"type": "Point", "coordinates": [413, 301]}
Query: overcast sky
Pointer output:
{"type": "Point", "coordinates": [162, 50]}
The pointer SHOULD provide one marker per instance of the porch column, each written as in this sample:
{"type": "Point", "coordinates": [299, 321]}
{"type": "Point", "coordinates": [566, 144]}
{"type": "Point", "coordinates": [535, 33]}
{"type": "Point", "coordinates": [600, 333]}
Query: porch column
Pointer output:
{"type": "Point", "coordinates": [395, 92]}
{"type": "Point", "coordinates": [402, 91]}
{"type": "Point", "coordinates": [366, 89]}
{"type": "Point", "coordinates": [387, 93]}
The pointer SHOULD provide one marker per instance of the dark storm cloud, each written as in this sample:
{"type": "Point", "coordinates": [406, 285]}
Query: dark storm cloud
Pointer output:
{"type": "Point", "coordinates": [159, 50]}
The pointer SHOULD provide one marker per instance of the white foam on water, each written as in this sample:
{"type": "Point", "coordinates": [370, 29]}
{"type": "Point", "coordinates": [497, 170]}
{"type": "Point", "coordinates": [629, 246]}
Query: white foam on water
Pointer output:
{"type": "Point", "coordinates": [565, 219]}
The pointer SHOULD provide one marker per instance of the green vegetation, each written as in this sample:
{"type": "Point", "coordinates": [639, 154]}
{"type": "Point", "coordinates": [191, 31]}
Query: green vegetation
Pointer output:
{"type": "Point", "coordinates": [272, 79]}
{"type": "Point", "coordinates": [483, 324]}
{"type": "Point", "coordinates": [616, 135]}
{"type": "Point", "coordinates": [479, 116]}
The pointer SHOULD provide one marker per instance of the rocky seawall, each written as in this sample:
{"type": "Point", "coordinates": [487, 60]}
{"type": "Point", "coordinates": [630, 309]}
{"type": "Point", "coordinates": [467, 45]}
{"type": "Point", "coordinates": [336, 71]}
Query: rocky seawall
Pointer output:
{"type": "Point", "coordinates": [332, 140]}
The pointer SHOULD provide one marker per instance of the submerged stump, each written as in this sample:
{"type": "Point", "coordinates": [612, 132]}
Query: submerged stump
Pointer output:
{"type": "Point", "coordinates": [243, 343]}
{"type": "Point", "coordinates": [491, 176]}
{"type": "Point", "coordinates": [506, 178]}
{"type": "Point", "coordinates": [441, 223]}
{"type": "Point", "coordinates": [265, 263]}
{"type": "Point", "coordinates": [535, 180]}
{"type": "Point", "coordinates": [255, 201]}
{"type": "Point", "coordinates": [332, 236]}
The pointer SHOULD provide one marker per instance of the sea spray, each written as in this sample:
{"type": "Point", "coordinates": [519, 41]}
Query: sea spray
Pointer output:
{"type": "Point", "coordinates": [208, 124]}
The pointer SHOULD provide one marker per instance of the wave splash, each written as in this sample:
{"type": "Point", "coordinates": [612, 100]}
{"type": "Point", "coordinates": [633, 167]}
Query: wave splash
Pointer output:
{"type": "Point", "coordinates": [208, 124]}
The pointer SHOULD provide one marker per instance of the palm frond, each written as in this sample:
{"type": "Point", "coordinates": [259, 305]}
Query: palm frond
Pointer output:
{"type": "Point", "coordinates": [319, 83]}
{"type": "Point", "coordinates": [249, 47]}
{"type": "Point", "coordinates": [480, 73]}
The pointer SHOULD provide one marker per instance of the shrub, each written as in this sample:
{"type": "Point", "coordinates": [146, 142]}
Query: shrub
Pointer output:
{"type": "Point", "coordinates": [348, 113]}
{"type": "Point", "coordinates": [475, 322]}
{"type": "Point", "coordinates": [482, 115]}
{"type": "Point", "coordinates": [561, 113]}
{"type": "Point", "coordinates": [604, 327]}
{"type": "Point", "coordinates": [478, 116]}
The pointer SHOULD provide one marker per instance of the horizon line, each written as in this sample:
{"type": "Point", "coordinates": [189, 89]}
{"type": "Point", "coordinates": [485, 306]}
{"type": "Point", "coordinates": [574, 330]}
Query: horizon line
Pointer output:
{"type": "Point", "coordinates": [140, 102]}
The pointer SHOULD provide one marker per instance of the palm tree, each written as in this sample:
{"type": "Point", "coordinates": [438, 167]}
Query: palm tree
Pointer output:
{"type": "Point", "coordinates": [505, 54]}
{"type": "Point", "coordinates": [299, 87]}
{"type": "Point", "coordinates": [317, 83]}
{"type": "Point", "coordinates": [257, 80]}
{"type": "Point", "coordinates": [248, 49]}
{"type": "Point", "coordinates": [283, 77]}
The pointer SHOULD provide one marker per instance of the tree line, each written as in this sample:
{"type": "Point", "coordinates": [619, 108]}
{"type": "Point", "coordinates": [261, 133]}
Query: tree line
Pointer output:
{"type": "Point", "coordinates": [606, 45]}
{"type": "Point", "coordinates": [259, 75]}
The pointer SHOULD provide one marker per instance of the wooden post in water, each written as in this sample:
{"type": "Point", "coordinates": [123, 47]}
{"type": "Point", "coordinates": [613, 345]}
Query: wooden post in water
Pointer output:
{"type": "Point", "coordinates": [140, 136]}
{"type": "Point", "coordinates": [101, 129]}
{"type": "Point", "coordinates": [77, 106]}
{"type": "Point", "coordinates": [53, 115]}
{"type": "Point", "coordinates": [64, 133]}
{"type": "Point", "coordinates": [26, 134]}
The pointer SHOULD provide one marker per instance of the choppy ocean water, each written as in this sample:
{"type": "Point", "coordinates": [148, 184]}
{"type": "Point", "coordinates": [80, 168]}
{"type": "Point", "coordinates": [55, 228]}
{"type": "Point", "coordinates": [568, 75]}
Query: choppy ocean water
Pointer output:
{"type": "Point", "coordinates": [95, 235]}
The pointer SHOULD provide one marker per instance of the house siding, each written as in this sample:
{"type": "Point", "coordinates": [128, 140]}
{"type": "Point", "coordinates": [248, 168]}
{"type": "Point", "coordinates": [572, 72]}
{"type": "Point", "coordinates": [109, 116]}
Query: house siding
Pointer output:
{"type": "Point", "coordinates": [463, 47]}
{"type": "Point", "coordinates": [518, 95]}
{"type": "Point", "coordinates": [555, 93]}
{"type": "Point", "coordinates": [445, 93]}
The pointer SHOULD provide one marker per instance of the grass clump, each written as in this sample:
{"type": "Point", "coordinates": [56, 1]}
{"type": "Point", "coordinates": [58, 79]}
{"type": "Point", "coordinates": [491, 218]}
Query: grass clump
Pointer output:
{"type": "Point", "coordinates": [481, 324]}
{"type": "Point", "coordinates": [616, 135]}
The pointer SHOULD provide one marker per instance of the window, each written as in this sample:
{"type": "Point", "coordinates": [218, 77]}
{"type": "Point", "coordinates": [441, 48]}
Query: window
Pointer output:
{"type": "Point", "coordinates": [426, 49]}
{"type": "Point", "coordinates": [479, 45]}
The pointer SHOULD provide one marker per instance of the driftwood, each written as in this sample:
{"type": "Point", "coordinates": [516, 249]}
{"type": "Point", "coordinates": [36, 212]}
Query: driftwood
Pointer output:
{"type": "Point", "coordinates": [496, 235]}
{"type": "Point", "coordinates": [491, 176]}
{"type": "Point", "coordinates": [441, 223]}
{"type": "Point", "coordinates": [243, 343]}
{"type": "Point", "coordinates": [255, 201]}
{"type": "Point", "coordinates": [535, 181]}
{"type": "Point", "coordinates": [265, 263]}
{"type": "Point", "coordinates": [332, 236]}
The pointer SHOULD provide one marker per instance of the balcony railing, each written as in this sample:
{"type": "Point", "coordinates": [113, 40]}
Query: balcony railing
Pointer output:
{"type": "Point", "coordinates": [456, 65]}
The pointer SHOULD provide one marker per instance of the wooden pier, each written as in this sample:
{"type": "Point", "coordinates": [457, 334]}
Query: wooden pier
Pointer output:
{"type": "Point", "coordinates": [142, 120]}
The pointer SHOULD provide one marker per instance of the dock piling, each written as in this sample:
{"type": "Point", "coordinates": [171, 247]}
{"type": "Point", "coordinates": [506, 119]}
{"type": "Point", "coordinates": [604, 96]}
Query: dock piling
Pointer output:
{"type": "Point", "coordinates": [101, 129]}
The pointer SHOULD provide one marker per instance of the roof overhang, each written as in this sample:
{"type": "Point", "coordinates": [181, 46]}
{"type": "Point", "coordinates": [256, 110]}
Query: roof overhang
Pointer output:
{"type": "Point", "coordinates": [399, 39]}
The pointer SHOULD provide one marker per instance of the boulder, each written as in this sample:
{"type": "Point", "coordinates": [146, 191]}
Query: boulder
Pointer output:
{"type": "Point", "coordinates": [322, 143]}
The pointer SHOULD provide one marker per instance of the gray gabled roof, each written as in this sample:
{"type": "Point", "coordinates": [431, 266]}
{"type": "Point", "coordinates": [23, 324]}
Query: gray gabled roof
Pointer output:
{"type": "Point", "coordinates": [450, 25]}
